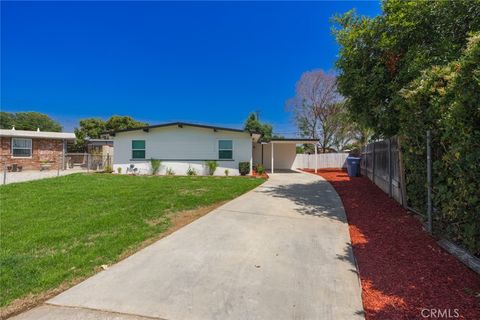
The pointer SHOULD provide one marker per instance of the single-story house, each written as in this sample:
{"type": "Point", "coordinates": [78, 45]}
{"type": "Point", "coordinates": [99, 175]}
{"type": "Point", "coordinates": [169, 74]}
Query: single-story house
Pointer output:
{"type": "Point", "coordinates": [29, 149]}
{"type": "Point", "coordinates": [181, 146]}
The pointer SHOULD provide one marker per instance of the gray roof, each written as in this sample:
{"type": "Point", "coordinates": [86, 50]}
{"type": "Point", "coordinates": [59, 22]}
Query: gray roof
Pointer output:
{"type": "Point", "coordinates": [179, 124]}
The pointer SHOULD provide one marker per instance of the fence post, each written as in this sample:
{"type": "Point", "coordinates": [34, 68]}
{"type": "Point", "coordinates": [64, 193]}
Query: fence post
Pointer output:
{"type": "Point", "coordinates": [5, 173]}
{"type": "Point", "coordinates": [429, 181]}
{"type": "Point", "coordinates": [373, 162]}
{"type": "Point", "coordinates": [64, 147]}
{"type": "Point", "coordinates": [403, 181]}
{"type": "Point", "coordinates": [366, 159]}
{"type": "Point", "coordinates": [88, 162]}
{"type": "Point", "coordinates": [390, 167]}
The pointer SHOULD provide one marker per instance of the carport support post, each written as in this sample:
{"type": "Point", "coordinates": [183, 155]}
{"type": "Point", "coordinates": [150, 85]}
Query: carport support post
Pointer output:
{"type": "Point", "coordinates": [271, 142]}
{"type": "Point", "coordinates": [316, 157]}
{"type": "Point", "coordinates": [251, 163]}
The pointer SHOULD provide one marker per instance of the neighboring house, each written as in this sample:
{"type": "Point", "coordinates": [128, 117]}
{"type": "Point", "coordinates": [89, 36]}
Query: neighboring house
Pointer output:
{"type": "Point", "coordinates": [182, 145]}
{"type": "Point", "coordinates": [29, 149]}
{"type": "Point", "coordinates": [102, 147]}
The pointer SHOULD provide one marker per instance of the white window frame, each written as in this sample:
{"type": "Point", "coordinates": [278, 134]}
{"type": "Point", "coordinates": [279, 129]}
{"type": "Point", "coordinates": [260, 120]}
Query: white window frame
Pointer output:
{"type": "Point", "coordinates": [218, 149]}
{"type": "Point", "coordinates": [21, 157]}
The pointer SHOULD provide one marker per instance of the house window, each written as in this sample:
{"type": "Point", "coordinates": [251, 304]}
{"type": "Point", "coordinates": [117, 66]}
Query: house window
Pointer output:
{"type": "Point", "coordinates": [138, 149]}
{"type": "Point", "coordinates": [225, 149]}
{"type": "Point", "coordinates": [21, 148]}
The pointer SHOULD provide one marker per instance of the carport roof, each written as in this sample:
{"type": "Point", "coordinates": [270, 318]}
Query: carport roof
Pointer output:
{"type": "Point", "coordinates": [293, 140]}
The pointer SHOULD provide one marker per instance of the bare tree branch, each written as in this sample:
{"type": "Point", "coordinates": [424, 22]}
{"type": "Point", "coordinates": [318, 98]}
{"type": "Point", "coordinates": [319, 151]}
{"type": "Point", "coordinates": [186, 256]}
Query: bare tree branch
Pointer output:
{"type": "Point", "coordinates": [315, 107]}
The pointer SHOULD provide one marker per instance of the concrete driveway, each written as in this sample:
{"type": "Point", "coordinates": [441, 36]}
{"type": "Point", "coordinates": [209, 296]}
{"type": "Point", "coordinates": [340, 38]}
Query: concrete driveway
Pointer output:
{"type": "Point", "coordinates": [281, 251]}
{"type": "Point", "coordinates": [29, 175]}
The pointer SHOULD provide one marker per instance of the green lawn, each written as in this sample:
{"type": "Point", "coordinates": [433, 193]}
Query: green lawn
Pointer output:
{"type": "Point", "coordinates": [58, 229]}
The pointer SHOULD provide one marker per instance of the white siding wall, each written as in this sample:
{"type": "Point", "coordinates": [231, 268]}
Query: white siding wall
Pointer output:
{"type": "Point", "coordinates": [284, 155]}
{"type": "Point", "coordinates": [187, 146]}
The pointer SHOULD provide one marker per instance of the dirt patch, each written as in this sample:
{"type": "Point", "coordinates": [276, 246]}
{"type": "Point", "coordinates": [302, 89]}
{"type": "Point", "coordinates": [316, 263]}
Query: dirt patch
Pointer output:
{"type": "Point", "coordinates": [178, 220]}
{"type": "Point", "coordinates": [403, 271]}
{"type": "Point", "coordinates": [32, 300]}
{"type": "Point", "coordinates": [195, 191]}
{"type": "Point", "coordinates": [156, 221]}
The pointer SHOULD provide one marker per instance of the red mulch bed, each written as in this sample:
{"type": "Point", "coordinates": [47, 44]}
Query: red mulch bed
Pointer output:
{"type": "Point", "coordinates": [402, 269]}
{"type": "Point", "coordinates": [256, 175]}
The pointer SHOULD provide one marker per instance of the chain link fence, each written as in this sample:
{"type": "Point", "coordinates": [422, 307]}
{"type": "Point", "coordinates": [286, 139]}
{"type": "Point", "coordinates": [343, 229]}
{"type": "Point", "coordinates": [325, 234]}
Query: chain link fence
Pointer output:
{"type": "Point", "coordinates": [88, 162]}
{"type": "Point", "coordinates": [16, 169]}
{"type": "Point", "coordinates": [416, 178]}
{"type": "Point", "coordinates": [405, 177]}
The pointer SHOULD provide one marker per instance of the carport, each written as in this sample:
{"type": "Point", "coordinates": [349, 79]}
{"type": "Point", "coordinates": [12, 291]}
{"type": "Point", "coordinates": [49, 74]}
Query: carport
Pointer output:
{"type": "Point", "coordinates": [280, 153]}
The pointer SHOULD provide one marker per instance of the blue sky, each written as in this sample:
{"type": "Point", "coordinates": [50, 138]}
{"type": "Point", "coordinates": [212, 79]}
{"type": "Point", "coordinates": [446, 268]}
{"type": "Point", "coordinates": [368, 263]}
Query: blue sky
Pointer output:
{"type": "Point", "coordinates": [208, 63]}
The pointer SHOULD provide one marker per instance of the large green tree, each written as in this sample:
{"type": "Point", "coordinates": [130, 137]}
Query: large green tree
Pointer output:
{"type": "Point", "coordinates": [382, 55]}
{"type": "Point", "coordinates": [94, 127]}
{"type": "Point", "coordinates": [88, 128]}
{"type": "Point", "coordinates": [6, 120]}
{"type": "Point", "coordinates": [416, 68]}
{"type": "Point", "coordinates": [446, 101]}
{"type": "Point", "coordinates": [253, 124]}
{"type": "Point", "coordinates": [28, 121]}
{"type": "Point", "coordinates": [123, 122]}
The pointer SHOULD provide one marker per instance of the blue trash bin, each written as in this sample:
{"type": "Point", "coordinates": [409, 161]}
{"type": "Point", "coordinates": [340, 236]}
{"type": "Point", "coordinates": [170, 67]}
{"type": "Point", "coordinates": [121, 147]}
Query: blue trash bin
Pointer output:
{"type": "Point", "coordinates": [353, 166]}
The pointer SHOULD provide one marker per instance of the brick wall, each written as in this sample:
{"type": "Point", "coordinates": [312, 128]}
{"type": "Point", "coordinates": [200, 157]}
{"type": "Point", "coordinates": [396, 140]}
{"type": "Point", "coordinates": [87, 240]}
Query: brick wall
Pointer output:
{"type": "Point", "coordinates": [42, 149]}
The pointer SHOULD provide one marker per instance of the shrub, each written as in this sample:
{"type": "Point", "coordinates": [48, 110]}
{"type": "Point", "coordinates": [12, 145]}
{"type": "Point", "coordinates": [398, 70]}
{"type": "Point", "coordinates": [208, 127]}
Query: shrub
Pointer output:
{"type": "Point", "coordinates": [445, 100]}
{"type": "Point", "coordinates": [191, 171]}
{"type": "Point", "coordinates": [244, 168]}
{"type": "Point", "coordinates": [212, 165]}
{"type": "Point", "coordinates": [119, 170]}
{"type": "Point", "coordinates": [260, 169]}
{"type": "Point", "coordinates": [108, 168]}
{"type": "Point", "coordinates": [170, 172]}
{"type": "Point", "coordinates": [226, 172]}
{"type": "Point", "coordinates": [155, 164]}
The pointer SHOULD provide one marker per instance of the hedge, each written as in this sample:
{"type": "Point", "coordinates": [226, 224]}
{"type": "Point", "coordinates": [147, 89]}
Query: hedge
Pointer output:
{"type": "Point", "coordinates": [446, 100]}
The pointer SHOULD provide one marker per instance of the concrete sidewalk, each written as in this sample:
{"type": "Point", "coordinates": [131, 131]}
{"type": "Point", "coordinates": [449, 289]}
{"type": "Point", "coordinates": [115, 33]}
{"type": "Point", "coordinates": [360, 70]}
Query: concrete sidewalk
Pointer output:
{"type": "Point", "coordinates": [29, 175]}
{"type": "Point", "coordinates": [281, 251]}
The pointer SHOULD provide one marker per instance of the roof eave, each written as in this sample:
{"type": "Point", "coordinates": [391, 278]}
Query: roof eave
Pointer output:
{"type": "Point", "coordinates": [179, 124]}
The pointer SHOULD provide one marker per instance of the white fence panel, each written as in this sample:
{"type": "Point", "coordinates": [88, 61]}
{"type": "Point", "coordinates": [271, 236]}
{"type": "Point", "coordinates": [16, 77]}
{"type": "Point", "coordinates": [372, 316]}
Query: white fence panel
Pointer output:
{"type": "Point", "coordinates": [325, 160]}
